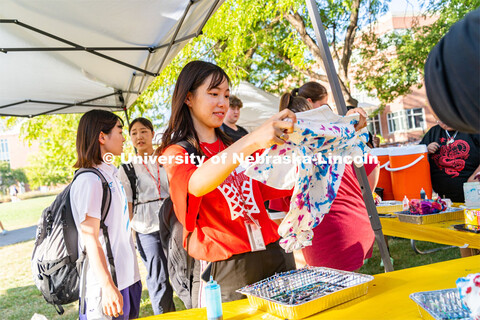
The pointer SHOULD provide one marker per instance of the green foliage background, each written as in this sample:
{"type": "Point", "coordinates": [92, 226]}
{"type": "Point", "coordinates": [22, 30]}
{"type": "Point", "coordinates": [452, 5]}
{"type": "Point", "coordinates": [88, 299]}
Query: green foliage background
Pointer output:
{"type": "Point", "coordinates": [263, 42]}
{"type": "Point", "coordinates": [389, 76]}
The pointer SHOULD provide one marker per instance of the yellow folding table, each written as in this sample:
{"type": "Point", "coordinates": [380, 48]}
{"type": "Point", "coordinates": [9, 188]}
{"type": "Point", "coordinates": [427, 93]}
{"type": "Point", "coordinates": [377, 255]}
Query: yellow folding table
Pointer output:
{"type": "Point", "coordinates": [440, 232]}
{"type": "Point", "coordinates": [387, 297]}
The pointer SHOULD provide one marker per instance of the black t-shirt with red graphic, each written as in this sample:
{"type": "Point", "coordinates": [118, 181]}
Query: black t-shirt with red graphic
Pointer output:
{"type": "Point", "coordinates": [454, 162]}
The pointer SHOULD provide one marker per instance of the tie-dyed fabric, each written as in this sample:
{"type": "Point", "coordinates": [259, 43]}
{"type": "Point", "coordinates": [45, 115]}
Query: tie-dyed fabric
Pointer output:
{"type": "Point", "coordinates": [318, 134]}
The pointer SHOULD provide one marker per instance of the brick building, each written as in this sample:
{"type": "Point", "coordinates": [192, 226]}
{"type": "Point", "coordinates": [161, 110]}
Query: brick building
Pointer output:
{"type": "Point", "coordinates": [14, 150]}
{"type": "Point", "coordinates": [407, 118]}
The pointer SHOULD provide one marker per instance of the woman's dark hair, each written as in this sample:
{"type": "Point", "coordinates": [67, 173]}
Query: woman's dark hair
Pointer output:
{"type": "Point", "coordinates": [147, 123]}
{"type": "Point", "coordinates": [313, 90]}
{"type": "Point", "coordinates": [294, 103]}
{"type": "Point", "coordinates": [180, 126]}
{"type": "Point", "coordinates": [88, 147]}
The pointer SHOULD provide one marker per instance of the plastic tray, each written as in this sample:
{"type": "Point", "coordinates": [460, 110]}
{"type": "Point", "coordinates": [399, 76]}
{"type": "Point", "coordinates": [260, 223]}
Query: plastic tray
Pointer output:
{"type": "Point", "coordinates": [276, 294]}
{"type": "Point", "coordinates": [449, 214]}
{"type": "Point", "coordinates": [440, 305]}
{"type": "Point", "coordinates": [389, 207]}
{"type": "Point", "coordinates": [454, 214]}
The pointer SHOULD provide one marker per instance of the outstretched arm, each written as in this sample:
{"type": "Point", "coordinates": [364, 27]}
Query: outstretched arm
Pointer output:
{"type": "Point", "coordinates": [210, 175]}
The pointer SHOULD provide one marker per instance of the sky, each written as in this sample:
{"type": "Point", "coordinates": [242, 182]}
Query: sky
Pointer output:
{"type": "Point", "coordinates": [404, 6]}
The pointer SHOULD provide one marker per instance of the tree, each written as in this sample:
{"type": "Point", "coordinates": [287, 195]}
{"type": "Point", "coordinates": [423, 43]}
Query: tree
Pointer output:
{"type": "Point", "coordinates": [270, 43]}
{"type": "Point", "coordinates": [53, 162]}
{"type": "Point", "coordinates": [9, 177]}
{"type": "Point", "coordinates": [389, 66]}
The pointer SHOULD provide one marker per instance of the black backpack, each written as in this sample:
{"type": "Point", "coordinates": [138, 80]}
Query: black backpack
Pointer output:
{"type": "Point", "coordinates": [56, 262]}
{"type": "Point", "coordinates": [132, 178]}
{"type": "Point", "coordinates": [179, 263]}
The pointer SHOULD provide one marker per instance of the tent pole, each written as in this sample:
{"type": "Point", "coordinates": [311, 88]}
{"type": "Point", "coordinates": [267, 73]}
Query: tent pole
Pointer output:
{"type": "Point", "coordinates": [124, 107]}
{"type": "Point", "coordinates": [126, 117]}
{"type": "Point", "coordinates": [340, 103]}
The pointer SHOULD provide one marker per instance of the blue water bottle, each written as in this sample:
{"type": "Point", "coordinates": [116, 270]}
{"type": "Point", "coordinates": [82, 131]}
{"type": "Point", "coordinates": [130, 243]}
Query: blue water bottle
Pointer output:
{"type": "Point", "coordinates": [213, 297]}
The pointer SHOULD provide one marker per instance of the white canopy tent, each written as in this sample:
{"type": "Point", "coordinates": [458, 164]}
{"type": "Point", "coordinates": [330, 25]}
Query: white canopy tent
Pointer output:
{"type": "Point", "coordinates": [69, 56]}
{"type": "Point", "coordinates": [258, 105]}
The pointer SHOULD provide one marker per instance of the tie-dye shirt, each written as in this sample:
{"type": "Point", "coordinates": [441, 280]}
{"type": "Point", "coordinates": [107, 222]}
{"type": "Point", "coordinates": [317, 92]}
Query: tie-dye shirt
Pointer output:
{"type": "Point", "coordinates": [318, 135]}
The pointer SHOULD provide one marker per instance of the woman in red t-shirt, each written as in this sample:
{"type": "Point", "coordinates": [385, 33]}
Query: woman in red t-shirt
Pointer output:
{"type": "Point", "coordinates": [345, 237]}
{"type": "Point", "coordinates": [221, 209]}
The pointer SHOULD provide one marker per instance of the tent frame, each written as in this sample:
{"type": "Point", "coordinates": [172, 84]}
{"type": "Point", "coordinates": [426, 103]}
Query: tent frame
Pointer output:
{"type": "Point", "coordinates": [340, 103]}
{"type": "Point", "coordinates": [72, 46]}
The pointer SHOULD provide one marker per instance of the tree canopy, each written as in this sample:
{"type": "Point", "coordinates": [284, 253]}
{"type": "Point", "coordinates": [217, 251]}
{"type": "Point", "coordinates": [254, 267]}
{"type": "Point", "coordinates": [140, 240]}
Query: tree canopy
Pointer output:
{"type": "Point", "coordinates": [271, 44]}
{"type": "Point", "coordinates": [390, 65]}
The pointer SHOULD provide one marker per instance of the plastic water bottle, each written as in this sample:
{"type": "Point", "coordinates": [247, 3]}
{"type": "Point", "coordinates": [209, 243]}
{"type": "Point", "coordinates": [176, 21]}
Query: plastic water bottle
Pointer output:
{"type": "Point", "coordinates": [213, 297]}
{"type": "Point", "coordinates": [423, 195]}
{"type": "Point", "coordinates": [405, 204]}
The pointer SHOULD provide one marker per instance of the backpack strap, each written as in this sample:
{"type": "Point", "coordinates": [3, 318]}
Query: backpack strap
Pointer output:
{"type": "Point", "coordinates": [106, 201]}
{"type": "Point", "coordinates": [190, 150]}
{"type": "Point", "coordinates": [132, 178]}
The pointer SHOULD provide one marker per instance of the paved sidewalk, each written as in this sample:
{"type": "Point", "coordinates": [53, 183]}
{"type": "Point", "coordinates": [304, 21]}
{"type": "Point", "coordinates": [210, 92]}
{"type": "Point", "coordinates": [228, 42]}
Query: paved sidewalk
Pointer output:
{"type": "Point", "coordinates": [18, 235]}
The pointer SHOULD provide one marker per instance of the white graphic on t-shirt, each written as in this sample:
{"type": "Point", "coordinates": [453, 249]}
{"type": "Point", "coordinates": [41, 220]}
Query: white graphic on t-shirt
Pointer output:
{"type": "Point", "coordinates": [239, 204]}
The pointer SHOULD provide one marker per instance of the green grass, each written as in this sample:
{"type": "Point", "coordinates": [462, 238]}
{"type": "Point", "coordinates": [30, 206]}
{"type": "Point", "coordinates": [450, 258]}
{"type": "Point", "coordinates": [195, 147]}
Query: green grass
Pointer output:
{"type": "Point", "coordinates": [404, 256]}
{"type": "Point", "coordinates": [20, 299]}
{"type": "Point", "coordinates": [24, 213]}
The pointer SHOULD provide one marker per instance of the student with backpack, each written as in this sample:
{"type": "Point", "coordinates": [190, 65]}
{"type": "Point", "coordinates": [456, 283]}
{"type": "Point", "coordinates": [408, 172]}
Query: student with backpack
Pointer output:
{"type": "Point", "coordinates": [99, 136]}
{"type": "Point", "coordinates": [146, 187]}
{"type": "Point", "coordinates": [226, 227]}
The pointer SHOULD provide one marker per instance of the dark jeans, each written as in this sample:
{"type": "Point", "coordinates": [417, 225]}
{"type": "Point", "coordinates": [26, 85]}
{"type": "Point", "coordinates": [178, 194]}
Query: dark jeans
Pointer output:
{"type": "Point", "coordinates": [243, 269]}
{"type": "Point", "coordinates": [159, 288]}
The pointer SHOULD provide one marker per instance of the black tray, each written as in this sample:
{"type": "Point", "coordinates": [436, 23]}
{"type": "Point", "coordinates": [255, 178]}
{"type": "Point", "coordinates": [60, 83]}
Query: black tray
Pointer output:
{"type": "Point", "coordinates": [467, 227]}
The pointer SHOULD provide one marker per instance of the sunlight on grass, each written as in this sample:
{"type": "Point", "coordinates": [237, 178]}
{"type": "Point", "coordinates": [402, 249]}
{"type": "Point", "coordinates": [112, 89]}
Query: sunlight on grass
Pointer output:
{"type": "Point", "coordinates": [25, 213]}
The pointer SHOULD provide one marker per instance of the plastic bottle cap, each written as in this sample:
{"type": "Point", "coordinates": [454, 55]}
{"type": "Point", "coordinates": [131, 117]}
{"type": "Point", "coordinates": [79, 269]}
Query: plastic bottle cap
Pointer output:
{"type": "Point", "coordinates": [212, 284]}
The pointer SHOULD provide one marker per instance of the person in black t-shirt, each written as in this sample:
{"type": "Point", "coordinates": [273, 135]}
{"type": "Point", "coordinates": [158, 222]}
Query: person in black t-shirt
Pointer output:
{"type": "Point", "coordinates": [229, 127]}
{"type": "Point", "coordinates": [454, 159]}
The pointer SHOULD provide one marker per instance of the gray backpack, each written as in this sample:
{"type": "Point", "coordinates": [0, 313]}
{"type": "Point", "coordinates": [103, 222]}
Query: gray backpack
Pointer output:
{"type": "Point", "coordinates": [56, 262]}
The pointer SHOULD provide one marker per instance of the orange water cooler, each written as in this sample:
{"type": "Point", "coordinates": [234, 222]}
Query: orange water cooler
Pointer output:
{"type": "Point", "coordinates": [384, 180]}
{"type": "Point", "coordinates": [410, 171]}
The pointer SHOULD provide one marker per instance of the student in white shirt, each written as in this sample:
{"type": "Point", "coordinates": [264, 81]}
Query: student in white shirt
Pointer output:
{"type": "Point", "coordinates": [99, 135]}
{"type": "Point", "coordinates": [151, 188]}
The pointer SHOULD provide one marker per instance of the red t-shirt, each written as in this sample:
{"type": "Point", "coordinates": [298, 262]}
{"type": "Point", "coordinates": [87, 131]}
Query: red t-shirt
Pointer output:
{"type": "Point", "coordinates": [217, 220]}
{"type": "Point", "coordinates": [345, 237]}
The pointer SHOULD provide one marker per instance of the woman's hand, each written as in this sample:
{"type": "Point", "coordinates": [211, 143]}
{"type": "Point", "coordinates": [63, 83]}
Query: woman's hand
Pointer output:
{"type": "Point", "coordinates": [211, 174]}
{"type": "Point", "coordinates": [433, 147]}
{"type": "Point", "coordinates": [275, 130]}
{"type": "Point", "coordinates": [112, 301]}
{"type": "Point", "coordinates": [362, 121]}
{"type": "Point", "coordinates": [475, 175]}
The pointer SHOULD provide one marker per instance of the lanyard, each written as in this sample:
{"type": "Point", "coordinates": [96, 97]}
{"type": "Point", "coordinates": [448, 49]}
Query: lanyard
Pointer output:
{"type": "Point", "coordinates": [450, 138]}
{"type": "Point", "coordinates": [157, 182]}
{"type": "Point", "coordinates": [221, 147]}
